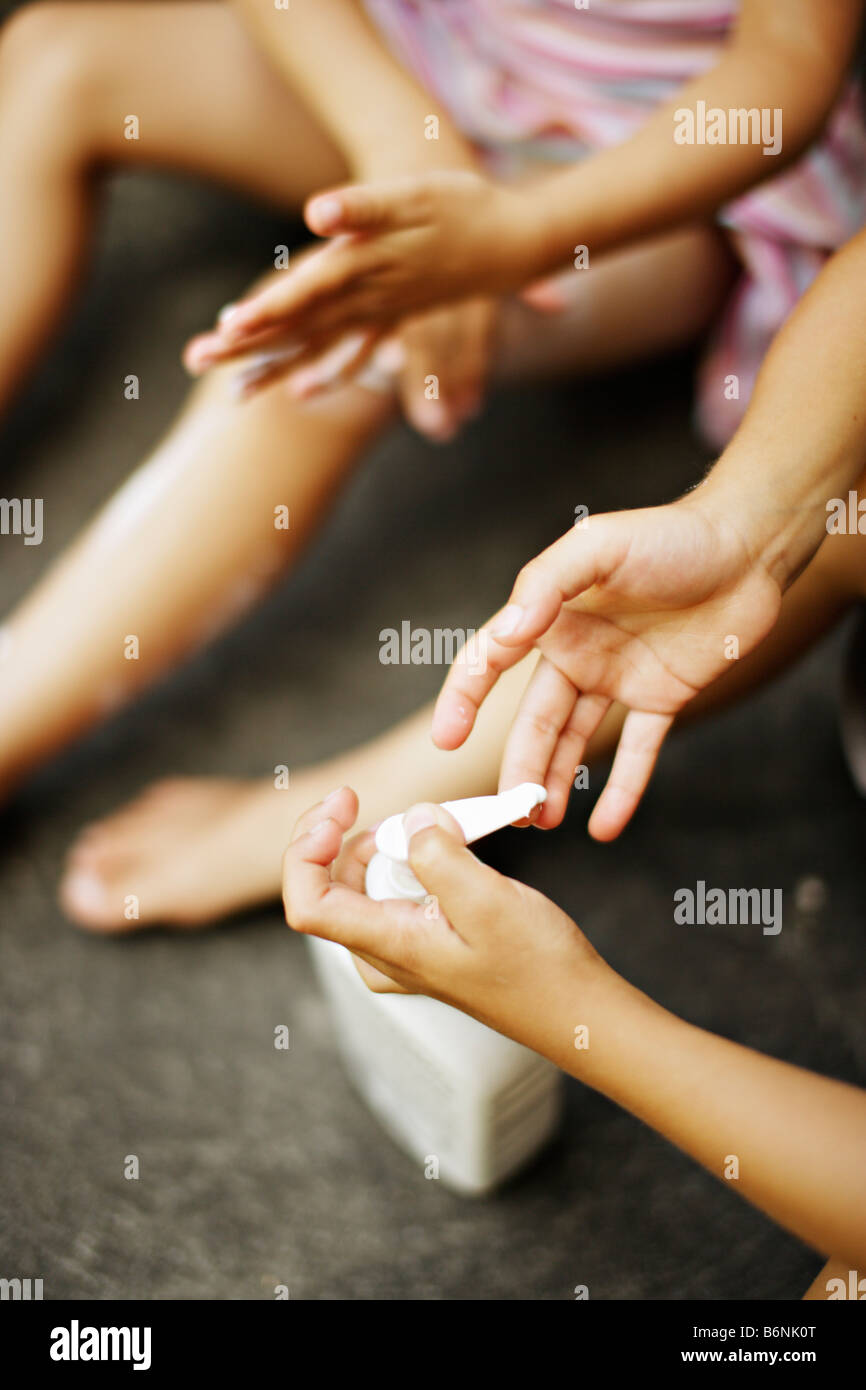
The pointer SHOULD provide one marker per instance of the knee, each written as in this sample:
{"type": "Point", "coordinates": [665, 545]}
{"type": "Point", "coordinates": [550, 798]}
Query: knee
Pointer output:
{"type": "Point", "coordinates": [48, 74]}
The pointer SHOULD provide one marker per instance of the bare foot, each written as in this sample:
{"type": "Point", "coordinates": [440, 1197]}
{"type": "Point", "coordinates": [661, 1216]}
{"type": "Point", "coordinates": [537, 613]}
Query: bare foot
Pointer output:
{"type": "Point", "coordinates": [187, 851]}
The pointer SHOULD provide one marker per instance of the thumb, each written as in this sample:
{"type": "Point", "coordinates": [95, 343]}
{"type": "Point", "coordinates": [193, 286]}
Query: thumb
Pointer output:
{"type": "Point", "coordinates": [442, 862]}
{"type": "Point", "coordinates": [587, 554]}
{"type": "Point", "coordinates": [367, 208]}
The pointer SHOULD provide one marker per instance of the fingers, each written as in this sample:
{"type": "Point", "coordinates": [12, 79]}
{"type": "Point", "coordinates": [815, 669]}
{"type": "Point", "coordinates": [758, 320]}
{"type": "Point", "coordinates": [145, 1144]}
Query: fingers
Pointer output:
{"type": "Point", "coordinates": [319, 284]}
{"type": "Point", "coordinates": [375, 979]}
{"type": "Point", "coordinates": [385, 207]}
{"type": "Point", "coordinates": [316, 904]}
{"type": "Point", "coordinates": [545, 296]}
{"type": "Point", "coordinates": [570, 751]}
{"type": "Point", "coordinates": [640, 741]}
{"type": "Point", "coordinates": [472, 358]}
{"type": "Point", "coordinates": [335, 367]}
{"type": "Point", "coordinates": [340, 805]}
{"type": "Point", "coordinates": [308, 368]}
{"type": "Point", "coordinates": [315, 843]}
{"type": "Point", "coordinates": [425, 813]}
{"type": "Point", "coordinates": [463, 887]}
{"type": "Point", "coordinates": [579, 559]}
{"type": "Point", "coordinates": [208, 350]}
{"type": "Point", "coordinates": [262, 369]}
{"type": "Point", "coordinates": [350, 866]}
{"type": "Point", "coordinates": [572, 564]}
{"type": "Point", "coordinates": [442, 382]}
{"type": "Point", "coordinates": [548, 738]}
{"type": "Point", "coordinates": [426, 384]}
{"type": "Point", "coordinates": [544, 711]}
{"type": "Point", "coordinates": [475, 671]}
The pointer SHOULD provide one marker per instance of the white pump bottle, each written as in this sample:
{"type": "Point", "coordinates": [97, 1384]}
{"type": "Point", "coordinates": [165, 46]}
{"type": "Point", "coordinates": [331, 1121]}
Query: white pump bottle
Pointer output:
{"type": "Point", "coordinates": [466, 1102]}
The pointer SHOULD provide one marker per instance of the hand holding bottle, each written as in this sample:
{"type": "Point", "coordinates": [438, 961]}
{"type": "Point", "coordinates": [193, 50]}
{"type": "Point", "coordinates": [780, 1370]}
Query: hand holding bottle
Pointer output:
{"type": "Point", "coordinates": [484, 943]}
{"type": "Point", "coordinates": [506, 955]}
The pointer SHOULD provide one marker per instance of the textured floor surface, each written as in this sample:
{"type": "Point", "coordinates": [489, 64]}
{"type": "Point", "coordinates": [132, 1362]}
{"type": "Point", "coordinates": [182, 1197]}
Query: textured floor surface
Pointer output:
{"type": "Point", "coordinates": [261, 1167]}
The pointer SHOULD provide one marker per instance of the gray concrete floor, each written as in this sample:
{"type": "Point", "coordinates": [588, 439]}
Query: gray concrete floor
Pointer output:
{"type": "Point", "coordinates": [261, 1167]}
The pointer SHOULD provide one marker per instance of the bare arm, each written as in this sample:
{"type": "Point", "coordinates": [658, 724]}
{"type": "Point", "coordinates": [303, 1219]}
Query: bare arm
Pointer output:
{"type": "Point", "coordinates": [786, 55]}
{"type": "Point", "coordinates": [372, 108]}
{"type": "Point", "coordinates": [803, 440]}
{"type": "Point", "coordinates": [798, 1140]}
{"type": "Point", "coordinates": [446, 234]}
{"type": "Point", "coordinates": [638, 605]}
{"type": "Point", "coordinates": [377, 115]}
{"type": "Point", "coordinates": [508, 956]}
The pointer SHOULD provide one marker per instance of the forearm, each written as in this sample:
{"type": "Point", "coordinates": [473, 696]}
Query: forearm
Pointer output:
{"type": "Point", "coordinates": [799, 1140]}
{"type": "Point", "coordinates": [374, 110]}
{"type": "Point", "coordinates": [783, 58]}
{"type": "Point", "coordinates": [803, 440]}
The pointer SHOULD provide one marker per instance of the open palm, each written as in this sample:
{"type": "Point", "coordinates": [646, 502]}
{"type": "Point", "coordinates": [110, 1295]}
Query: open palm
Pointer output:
{"type": "Point", "coordinates": [645, 607]}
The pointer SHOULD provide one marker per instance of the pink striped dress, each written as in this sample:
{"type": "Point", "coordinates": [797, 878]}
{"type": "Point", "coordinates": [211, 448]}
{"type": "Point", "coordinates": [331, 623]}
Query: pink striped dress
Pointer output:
{"type": "Point", "coordinates": [544, 80]}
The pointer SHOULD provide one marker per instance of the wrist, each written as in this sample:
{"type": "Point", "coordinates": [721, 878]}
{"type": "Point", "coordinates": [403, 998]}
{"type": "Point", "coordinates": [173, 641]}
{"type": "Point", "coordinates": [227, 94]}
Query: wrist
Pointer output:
{"type": "Point", "coordinates": [566, 1022]}
{"type": "Point", "coordinates": [609, 1046]}
{"type": "Point", "coordinates": [535, 250]}
{"type": "Point", "coordinates": [777, 522]}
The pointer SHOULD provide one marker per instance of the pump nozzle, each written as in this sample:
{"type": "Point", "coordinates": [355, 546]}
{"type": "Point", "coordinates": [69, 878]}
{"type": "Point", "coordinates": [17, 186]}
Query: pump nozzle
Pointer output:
{"type": "Point", "coordinates": [476, 816]}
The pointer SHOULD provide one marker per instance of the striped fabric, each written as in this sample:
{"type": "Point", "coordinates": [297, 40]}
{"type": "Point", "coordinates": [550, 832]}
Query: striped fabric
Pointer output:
{"type": "Point", "coordinates": [543, 80]}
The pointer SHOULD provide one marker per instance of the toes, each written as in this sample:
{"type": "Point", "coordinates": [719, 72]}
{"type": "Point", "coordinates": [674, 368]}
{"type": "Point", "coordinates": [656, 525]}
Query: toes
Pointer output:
{"type": "Point", "coordinates": [88, 898]}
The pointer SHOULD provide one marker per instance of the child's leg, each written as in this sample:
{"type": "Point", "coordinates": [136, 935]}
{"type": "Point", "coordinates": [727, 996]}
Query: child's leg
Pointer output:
{"type": "Point", "coordinates": [204, 99]}
{"type": "Point", "coordinates": [173, 585]}
{"type": "Point", "coordinates": [194, 849]}
{"type": "Point", "coordinates": [70, 77]}
{"type": "Point", "coordinates": [185, 546]}
{"type": "Point", "coordinates": [631, 305]}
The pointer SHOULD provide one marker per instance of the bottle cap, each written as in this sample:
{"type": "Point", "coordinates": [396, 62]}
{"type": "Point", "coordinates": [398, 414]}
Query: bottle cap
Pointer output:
{"type": "Point", "coordinates": [476, 816]}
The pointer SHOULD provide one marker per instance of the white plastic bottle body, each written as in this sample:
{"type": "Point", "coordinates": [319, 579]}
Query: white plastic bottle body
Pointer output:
{"type": "Point", "coordinates": [442, 1084]}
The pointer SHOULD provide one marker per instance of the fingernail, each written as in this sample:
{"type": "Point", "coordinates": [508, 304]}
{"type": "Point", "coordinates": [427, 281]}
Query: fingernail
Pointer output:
{"type": "Point", "coordinates": [335, 792]}
{"type": "Point", "coordinates": [262, 365]}
{"type": "Point", "coordinates": [323, 825]}
{"type": "Point", "coordinates": [233, 321]}
{"type": "Point", "coordinates": [88, 891]}
{"type": "Point", "coordinates": [200, 363]}
{"type": "Point", "coordinates": [326, 211]}
{"type": "Point", "coordinates": [508, 621]}
{"type": "Point", "coordinates": [391, 356]}
{"type": "Point", "coordinates": [434, 420]}
{"type": "Point", "coordinates": [419, 818]}
{"type": "Point", "coordinates": [304, 383]}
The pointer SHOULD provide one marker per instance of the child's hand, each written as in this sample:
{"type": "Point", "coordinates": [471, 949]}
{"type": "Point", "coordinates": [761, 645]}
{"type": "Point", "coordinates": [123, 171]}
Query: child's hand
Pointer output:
{"type": "Point", "coordinates": [386, 275]}
{"type": "Point", "coordinates": [442, 366]}
{"type": "Point", "coordinates": [400, 247]}
{"type": "Point", "coordinates": [484, 943]}
{"type": "Point", "coordinates": [645, 607]}
{"type": "Point", "coordinates": [437, 361]}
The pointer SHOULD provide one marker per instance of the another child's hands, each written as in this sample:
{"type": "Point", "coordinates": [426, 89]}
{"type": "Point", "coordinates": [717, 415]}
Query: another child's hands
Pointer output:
{"type": "Point", "coordinates": [645, 607]}
{"type": "Point", "coordinates": [485, 943]}
{"type": "Point", "coordinates": [400, 247]}
{"type": "Point", "coordinates": [385, 279]}
{"type": "Point", "coordinates": [437, 362]}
